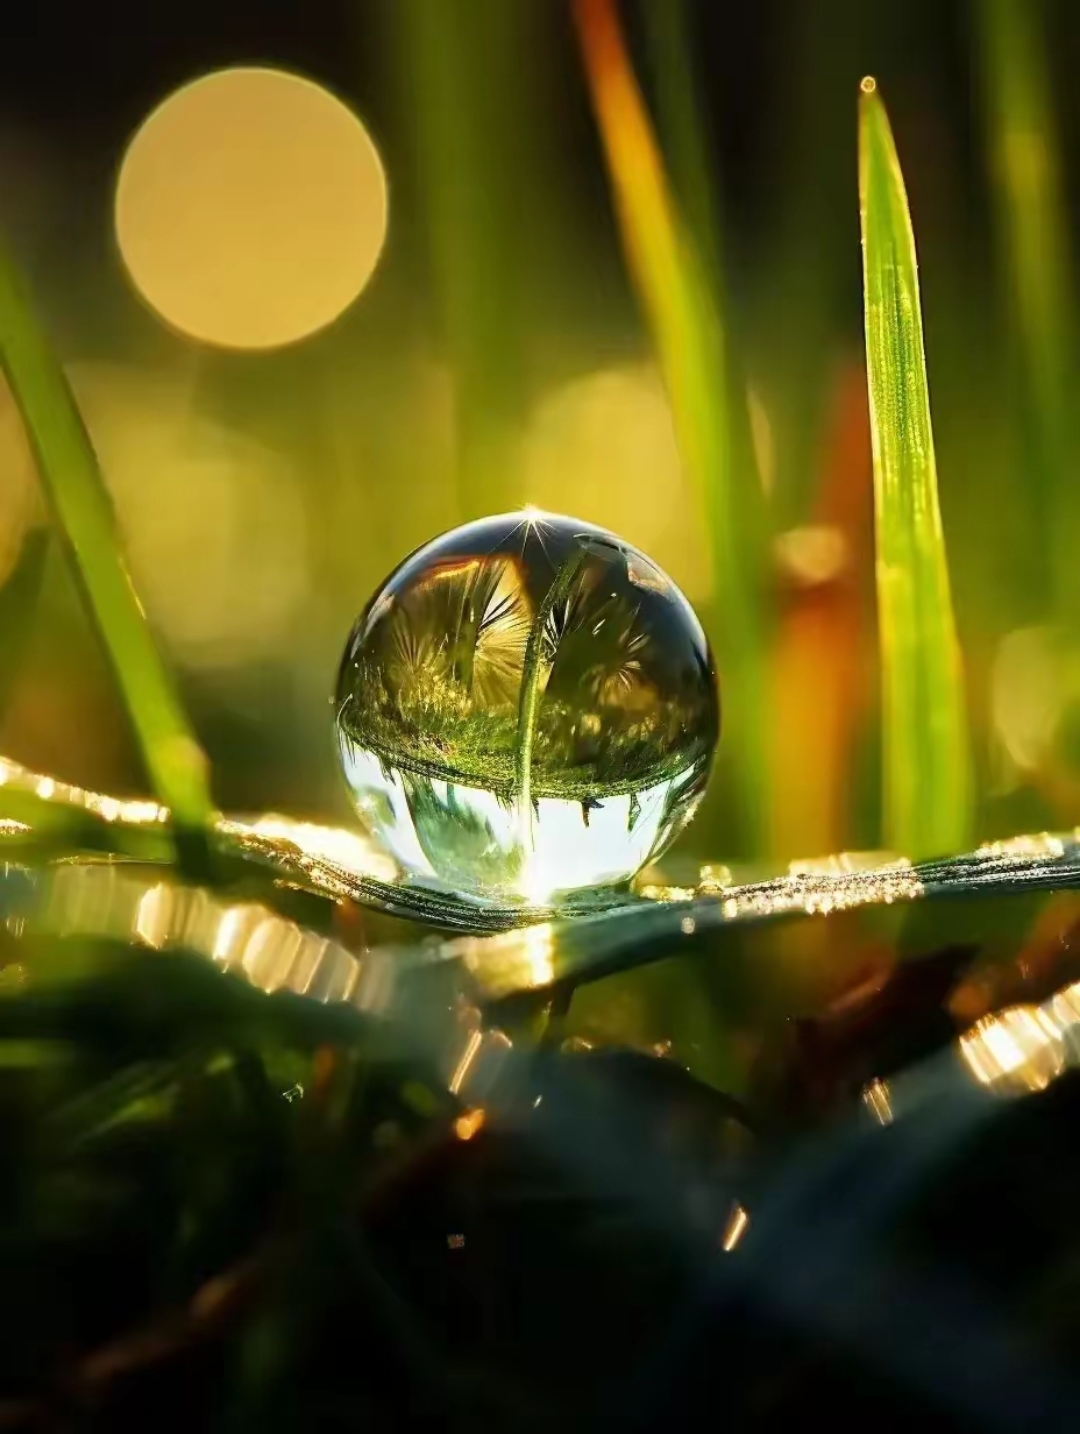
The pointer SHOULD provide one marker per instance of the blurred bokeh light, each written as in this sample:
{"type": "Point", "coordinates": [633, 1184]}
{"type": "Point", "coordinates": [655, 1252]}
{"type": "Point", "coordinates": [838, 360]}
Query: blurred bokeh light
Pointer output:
{"type": "Point", "coordinates": [603, 449]}
{"type": "Point", "coordinates": [217, 540]}
{"type": "Point", "coordinates": [251, 208]}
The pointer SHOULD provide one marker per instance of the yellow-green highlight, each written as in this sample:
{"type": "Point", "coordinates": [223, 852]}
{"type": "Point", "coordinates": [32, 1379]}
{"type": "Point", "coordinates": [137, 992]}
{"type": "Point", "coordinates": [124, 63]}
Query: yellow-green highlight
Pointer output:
{"type": "Point", "coordinates": [1033, 231]}
{"type": "Point", "coordinates": [925, 758]}
{"type": "Point", "coordinates": [83, 514]}
{"type": "Point", "coordinates": [686, 327]}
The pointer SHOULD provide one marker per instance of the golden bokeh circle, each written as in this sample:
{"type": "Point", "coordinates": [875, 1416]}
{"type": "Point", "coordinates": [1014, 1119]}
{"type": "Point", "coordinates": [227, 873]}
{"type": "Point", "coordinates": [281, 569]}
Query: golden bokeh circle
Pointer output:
{"type": "Point", "coordinates": [251, 208]}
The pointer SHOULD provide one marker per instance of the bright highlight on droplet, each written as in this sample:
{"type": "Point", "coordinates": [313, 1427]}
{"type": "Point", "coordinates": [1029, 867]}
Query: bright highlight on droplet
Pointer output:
{"type": "Point", "coordinates": [251, 208]}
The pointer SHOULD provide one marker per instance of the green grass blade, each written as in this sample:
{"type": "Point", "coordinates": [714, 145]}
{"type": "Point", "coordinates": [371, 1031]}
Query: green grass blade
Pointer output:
{"type": "Point", "coordinates": [467, 104]}
{"type": "Point", "coordinates": [83, 514]}
{"type": "Point", "coordinates": [683, 127]}
{"type": "Point", "coordinates": [18, 608]}
{"type": "Point", "coordinates": [1032, 224]}
{"type": "Point", "coordinates": [927, 782]}
{"type": "Point", "coordinates": [685, 321]}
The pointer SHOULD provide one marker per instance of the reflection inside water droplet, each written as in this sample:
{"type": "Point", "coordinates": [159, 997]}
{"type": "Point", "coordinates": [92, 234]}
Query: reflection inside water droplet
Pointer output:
{"type": "Point", "coordinates": [527, 707]}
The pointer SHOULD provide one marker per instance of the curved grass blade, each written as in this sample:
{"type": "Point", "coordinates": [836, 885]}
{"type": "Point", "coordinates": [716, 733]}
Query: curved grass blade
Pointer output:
{"type": "Point", "coordinates": [272, 857]}
{"type": "Point", "coordinates": [82, 511]}
{"type": "Point", "coordinates": [42, 819]}
{"type": "Point", "coordinates": [1032, 221]}
{"type": "Point", "coordinates": [927, 796]}
{"type": "Point", "coordinates": [683, 315]}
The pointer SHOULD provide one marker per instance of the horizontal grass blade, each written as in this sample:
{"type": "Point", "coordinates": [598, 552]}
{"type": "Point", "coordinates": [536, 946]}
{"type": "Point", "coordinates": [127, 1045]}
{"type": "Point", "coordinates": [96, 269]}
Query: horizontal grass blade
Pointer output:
{"type": "Point", "coordinates": [83, 514]}
{"type": "Point", "coordinates": [926, 764]}
{"type": "Point", "coordinates": [684, 318]}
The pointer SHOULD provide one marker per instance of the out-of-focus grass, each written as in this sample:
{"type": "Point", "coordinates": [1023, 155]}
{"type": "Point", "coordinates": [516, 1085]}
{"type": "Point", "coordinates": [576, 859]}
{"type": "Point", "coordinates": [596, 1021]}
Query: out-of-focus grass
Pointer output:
{"type": "Point", "coordinates": [683, 128]}
{"type": "Point", "coordinates": [83, 514]}
{"type": "Point", "coordinates": [464, 104]}
{"type": "Point", "coordinates": [18, 603]}
{"type": "Point", "coordinates": [687, 328]}
{"type": "Point", "coordinates": [825, 645]}
{"type": "Point", "coordinates": [927, 780]}
{"type": "Point", "coordinates": [1031, 217]}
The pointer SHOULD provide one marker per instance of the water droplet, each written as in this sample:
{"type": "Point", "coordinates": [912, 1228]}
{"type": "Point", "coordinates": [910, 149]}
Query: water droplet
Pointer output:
{"type": "Point", "coordinates": [526, 708]}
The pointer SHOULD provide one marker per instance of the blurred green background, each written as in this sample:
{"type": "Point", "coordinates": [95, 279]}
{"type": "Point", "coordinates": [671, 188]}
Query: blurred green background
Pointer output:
{"type": "Point", "coordinates": [499, 356]}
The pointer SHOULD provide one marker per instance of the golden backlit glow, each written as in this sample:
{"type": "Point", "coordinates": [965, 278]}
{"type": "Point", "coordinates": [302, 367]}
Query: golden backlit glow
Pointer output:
{"type": "Point", "coordinates": [1023, 849]}
{"type": "Point", "coordinates": [251, 208]}
{"type": "Point", "coordinates": [479, 1063]}
{"type": "Point", "coordinates": [350, 850]}
{"type": "Point", "coordinates": [468, 1055]}
{"type": "Point", "coordinates": [713, 878]}
{"type": "Point", "coordinates": [153, 918]}
{"type": "Point", "coordinates": [539, 951]}
{"type": "Point", "coordinates": [1020, 1049]}
{"type": "Point", "coordinates": [270, 951]}
{"type": "Point", "coordinates": [183, 484]}
{"type": "Point", "coordinates": [877, 1101]}
{"type": "Point", "coordinates": [603, 448]}
{"type": "Point", "coordinates": [816, 553]}
{"type": "Point", "coordinates": [661, 891]}
{"type": "Point", "coordinates": [833, 884]}
{"type": "Point", "coordinates": [509, 960]}
{"type": "Point", "coordinates": [109, 809]}
{"type": "Point", "coordinates": [734, 1229]}
{"type": "Point", "coordinates": [467, 1125]}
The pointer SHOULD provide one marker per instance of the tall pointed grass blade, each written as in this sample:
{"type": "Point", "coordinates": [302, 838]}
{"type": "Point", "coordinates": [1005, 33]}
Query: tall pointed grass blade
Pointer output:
{"type": "Point", "coordinates": [927, 796]}
{"type": "Point", "coordinates": [1033, 229]}
{"type": "Point", "coordinates": [83, 514]}
{"type": "Point", "coordinates": [686, 327]}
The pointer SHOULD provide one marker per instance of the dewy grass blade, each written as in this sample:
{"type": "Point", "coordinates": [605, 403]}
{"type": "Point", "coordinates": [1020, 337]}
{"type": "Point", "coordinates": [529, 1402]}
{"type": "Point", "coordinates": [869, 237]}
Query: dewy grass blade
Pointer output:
{"type": "Point", "coordinates": [926, 759]}
{"type": "Point", "coordinates": [686, 326]}
{"type": "Point", "coordinates": [1033, 228]}
{"type": "Point", "coordinates": [83, 514]}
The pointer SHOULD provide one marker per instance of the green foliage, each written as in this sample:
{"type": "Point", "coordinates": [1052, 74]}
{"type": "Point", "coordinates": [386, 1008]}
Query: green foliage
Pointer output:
{"type": "Point", "coordinates": [83, 514]}
{"type": "Point", "coordinates": [220, 1208]}
{"type": "Point", "coordinates": [682, 308]}
{"type": "Point", "coordinates": [1033, 228]}
{"type": "Point", "coordinates": [18, 605]}
{"type": "Point", "coordinates": [927, 776]}
{"type": "Point", "coordinates": [466, 102]}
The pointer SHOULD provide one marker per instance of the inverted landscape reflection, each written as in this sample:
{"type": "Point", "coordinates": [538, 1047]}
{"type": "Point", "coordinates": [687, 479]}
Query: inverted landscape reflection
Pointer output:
{"type": "Point", "coordinates": [527, 707]}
